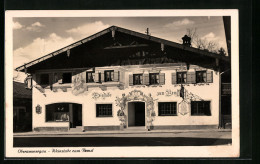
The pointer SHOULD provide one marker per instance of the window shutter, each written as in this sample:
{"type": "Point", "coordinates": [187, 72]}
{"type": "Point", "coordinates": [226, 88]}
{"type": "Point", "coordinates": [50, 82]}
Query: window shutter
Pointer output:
{"type": "Point", "coordinates": [146, 79]}
{"type": "Point", "coordinates": [74, 74]}
{"type": "Point", "coordinates": [60, 78]}
{"type": "Point", "coordinates": [116, 76]}
{"type": "Point", "coordinates": [131, 80]}
{"type": "Point", "coordinates": [162, 78]}
{"type": "Point", "coordinates": [191, 77]}
{"type": "Point", "coordinates": [96, 77]}
{"type": "Point", "coordinates": [83, 75]}
{"type": "Point", "coordinates": [174, 78]}
{"type": "Point", "coordinates": [102, 76]}
{"type": "Point", "coordinates": [209, 76]}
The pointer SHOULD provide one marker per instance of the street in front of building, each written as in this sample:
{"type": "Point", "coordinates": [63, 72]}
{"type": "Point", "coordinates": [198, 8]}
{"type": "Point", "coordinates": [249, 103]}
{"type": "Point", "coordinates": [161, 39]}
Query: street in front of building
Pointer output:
{"type": "Point", "coordinates": [155, 138]}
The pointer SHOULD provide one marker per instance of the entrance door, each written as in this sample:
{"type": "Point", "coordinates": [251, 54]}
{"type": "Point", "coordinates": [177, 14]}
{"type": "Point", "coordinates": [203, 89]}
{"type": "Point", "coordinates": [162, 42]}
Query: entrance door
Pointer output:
{"type": "Point", "coordinates": [76, 115]}
{"type": "Point", "coordinates": [136, 114]}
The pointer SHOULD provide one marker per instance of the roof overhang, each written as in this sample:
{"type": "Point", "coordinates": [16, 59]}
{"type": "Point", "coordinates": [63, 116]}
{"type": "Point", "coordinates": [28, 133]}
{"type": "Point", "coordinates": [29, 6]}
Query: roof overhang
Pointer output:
{"type": "Point", "coordinates": [129, 32]}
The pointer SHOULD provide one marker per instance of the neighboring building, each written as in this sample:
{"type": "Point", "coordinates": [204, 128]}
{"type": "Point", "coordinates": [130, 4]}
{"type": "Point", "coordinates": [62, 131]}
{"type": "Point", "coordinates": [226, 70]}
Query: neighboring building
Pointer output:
{"type": "Point", "coordinates": [118, 78]}
{"type": "Point", "coordinates": [22, 107]}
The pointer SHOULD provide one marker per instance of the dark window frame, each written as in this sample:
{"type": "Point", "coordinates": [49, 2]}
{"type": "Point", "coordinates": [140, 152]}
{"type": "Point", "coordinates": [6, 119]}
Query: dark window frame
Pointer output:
{"type": "Point", "coordinates": [200, 77]}
{"type": "Point", "coordinates": [182, 79]}
{"type": "Point", "coordinates": [64, 79]}
{"type": "Point", "coordinates": [137, 81]}
{"type": "Point", "coordinates": [155, 81]}
{"type": "Point", "coordinates": [57, 113]}
{"type": "Point", "coordinates": [201, 108]}
{"type": "Point", "coordinates": [99, 77]}
{"type": "Point", "coordinates": [110, 77]}
{"type": "Point", "coordinates": [108, 110]}
{"type": "Point", "coordinates": [167, 108]}
{"type": "Point", "coordinates": [45, 81]}
{"type": "Point", "coordinates": [92, 79]}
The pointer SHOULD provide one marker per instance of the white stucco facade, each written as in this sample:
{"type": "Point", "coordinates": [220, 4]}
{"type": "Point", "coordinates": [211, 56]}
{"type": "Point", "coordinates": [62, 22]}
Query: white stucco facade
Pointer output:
{"type": "Point", "coordinates": [167, 92]}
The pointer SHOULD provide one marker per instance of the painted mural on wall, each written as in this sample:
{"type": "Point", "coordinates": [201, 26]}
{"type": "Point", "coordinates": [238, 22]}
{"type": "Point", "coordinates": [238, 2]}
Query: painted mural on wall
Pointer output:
{"type": "Point", "coordinates": [183, 107]}
{"type": "Point", "coordinates": [41, 89]}
{"type": "Point", "coordinates": [78, 84]}
{"type": "Point", "coordinates": [136, 95]}
{"type": "Point", "coordinates": [187, 97]}
{"type": "Point", "coordinates": [104, 95]}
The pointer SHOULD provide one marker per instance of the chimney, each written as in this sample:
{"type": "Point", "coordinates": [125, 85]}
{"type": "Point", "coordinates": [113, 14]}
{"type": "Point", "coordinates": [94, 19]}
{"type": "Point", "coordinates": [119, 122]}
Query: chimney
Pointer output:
{"type": "Point", "coordinates": [186, 41]}
{"type": "Point", "coordinates": [147, 31]}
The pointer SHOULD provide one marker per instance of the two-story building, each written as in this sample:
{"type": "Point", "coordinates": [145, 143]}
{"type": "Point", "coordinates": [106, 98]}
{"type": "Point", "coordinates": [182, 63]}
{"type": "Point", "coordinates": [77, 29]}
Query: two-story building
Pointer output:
{"type": "Point", "coordinates": [117, 79]}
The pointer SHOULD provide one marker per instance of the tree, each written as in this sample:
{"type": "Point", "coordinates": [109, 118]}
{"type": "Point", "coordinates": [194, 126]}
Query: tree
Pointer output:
{"type": "Point", "coordinates": [200, 43]}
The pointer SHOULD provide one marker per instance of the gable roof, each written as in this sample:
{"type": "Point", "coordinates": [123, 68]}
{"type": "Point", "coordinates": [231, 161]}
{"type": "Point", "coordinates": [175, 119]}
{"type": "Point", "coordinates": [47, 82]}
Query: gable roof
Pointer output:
{"type": "Point", "coordinates": [129, 32]}
{"type": "Point", "coordinates": [20, 91]}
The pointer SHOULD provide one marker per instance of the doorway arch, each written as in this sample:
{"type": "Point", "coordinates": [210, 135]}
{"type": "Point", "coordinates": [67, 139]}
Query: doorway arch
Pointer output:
{"type": "Point", "coordinates": [136, 96]}
{"type": "Point", "coordinates": [135, 114]}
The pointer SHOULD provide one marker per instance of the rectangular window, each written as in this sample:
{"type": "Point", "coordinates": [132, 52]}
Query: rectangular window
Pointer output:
{"type": "Point", "coordinates": [154, 78]}
{"type": "Point", "coordinates": [109, 75]}
{"type": "Point", "coordinates": [90, 77]}
{"type": "Point", "coordinates": [201, 77]}
{"type": "Point", "coordinates": [104, 110]}
{"type": "Point", "coordinates": [200, 108]}
{"type": "Point", "coordinates": [138, 79]}
{"type": "Point", "coordinates": [181, 77]}
{"type": "Point", "coordinates": [167, 109]}
{"type": "Point", "coordinates": [57, 112]}
{"type": "Point", "coordinates": [44, 79]}
{"type": "Point", "coordinates": [66, 78]}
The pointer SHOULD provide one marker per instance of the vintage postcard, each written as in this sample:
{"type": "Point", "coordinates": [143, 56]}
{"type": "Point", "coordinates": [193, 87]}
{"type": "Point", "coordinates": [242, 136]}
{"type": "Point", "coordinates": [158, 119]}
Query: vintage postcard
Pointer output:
{"type": "Point", "coordinates": [122, 84]}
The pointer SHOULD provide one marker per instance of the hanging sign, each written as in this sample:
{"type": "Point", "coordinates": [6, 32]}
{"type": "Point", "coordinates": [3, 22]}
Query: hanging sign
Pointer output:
{"type": "Point", "coordinates": [38, 109]}
{"type": "Point", "coordinates": [183, 107]}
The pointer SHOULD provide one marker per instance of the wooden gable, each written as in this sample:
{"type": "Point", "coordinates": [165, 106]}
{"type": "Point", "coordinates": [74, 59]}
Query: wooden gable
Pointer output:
{"type": "Point", "coordinates": [116, 47]}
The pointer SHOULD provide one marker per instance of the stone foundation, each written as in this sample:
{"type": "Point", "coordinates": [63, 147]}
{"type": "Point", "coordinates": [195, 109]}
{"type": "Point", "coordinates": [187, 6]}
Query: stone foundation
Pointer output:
{"type": "Point", "coordinates": [183, 127]}
{"type": "Point", "coordinates": [56, 129]}
{"type": "Point", "coordinates": [101, 128]}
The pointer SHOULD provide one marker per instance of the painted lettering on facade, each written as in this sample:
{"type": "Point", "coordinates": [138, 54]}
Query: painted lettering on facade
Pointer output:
{"type": "Point", "coordinates": [103, 95]}
{"type": "Point", "coordinates": [168, 93]}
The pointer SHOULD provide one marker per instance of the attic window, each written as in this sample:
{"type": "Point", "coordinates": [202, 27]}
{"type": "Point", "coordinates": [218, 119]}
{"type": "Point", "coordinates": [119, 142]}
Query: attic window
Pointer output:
{"type": "Point", "coordinates": [66, 78]}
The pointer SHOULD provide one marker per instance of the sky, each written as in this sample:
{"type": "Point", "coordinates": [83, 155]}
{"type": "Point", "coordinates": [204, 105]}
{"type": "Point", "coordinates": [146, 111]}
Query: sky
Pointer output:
{"type": "Point", "coordinates": [37, 36]}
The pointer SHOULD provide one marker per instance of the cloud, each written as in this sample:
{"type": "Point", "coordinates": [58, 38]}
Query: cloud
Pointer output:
{"type": "Point", "coordinates": [210, 37]}
{"type": "Point", "coordinates": [37, 24]}
{"type": "Point", "coordinates": [17, 25]}
{"type": "Point", "coordinates": [40, 47]}
{"type": "Point", "coordinates": [87, 29]}
{"type": "Point", "coordinates": [35, 27]}
{"type": "Point", "coordinates": [213, 37]}
{"type": "Point", "coordinates": [179, 23]}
